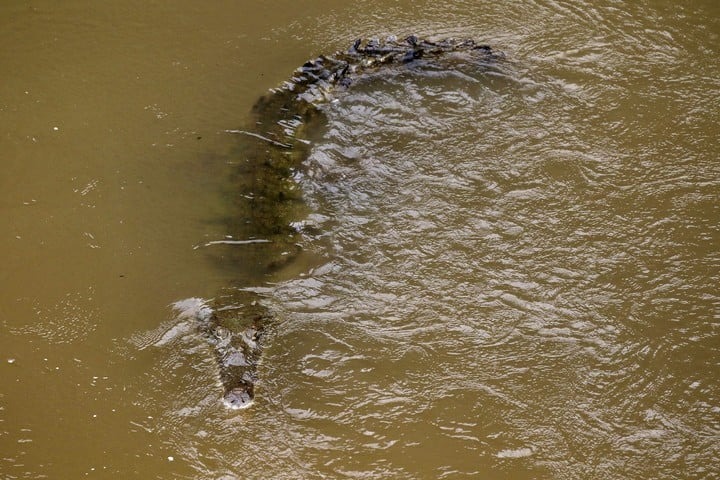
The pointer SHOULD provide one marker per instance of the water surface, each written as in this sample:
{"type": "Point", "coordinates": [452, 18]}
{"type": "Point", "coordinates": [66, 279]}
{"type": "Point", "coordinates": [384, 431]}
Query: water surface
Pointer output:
{"type": "Point", "coordinates": [514, 274]}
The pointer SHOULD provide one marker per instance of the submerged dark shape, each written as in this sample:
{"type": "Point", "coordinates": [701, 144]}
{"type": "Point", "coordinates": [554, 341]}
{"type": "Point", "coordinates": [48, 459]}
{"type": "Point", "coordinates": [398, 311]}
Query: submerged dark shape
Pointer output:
{"type": "Point", "coordinates": [270, 208]}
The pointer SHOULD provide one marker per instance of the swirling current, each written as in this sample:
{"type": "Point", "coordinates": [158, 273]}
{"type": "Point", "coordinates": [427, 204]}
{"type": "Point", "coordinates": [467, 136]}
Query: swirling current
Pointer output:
{"type": "Point", "coordinates": [502, 284]}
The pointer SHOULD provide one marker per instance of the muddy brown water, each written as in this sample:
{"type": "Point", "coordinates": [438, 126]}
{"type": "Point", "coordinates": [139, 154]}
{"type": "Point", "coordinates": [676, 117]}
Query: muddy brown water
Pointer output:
{"type": "Point", "coordinates": [515, 276]}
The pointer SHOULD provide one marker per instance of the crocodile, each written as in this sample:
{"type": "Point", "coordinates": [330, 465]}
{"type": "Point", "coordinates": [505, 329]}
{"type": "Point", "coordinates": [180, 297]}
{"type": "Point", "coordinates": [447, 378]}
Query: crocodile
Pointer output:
{"type": "Point", "coordinates": [270, 202]}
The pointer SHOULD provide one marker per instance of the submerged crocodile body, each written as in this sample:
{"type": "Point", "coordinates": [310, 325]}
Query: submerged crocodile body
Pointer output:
{"type": "Point", "coordinates": [271, 203]}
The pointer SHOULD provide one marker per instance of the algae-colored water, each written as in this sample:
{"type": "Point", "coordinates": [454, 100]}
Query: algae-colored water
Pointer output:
{"type": "Point", "coordinates": [514, 272]}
